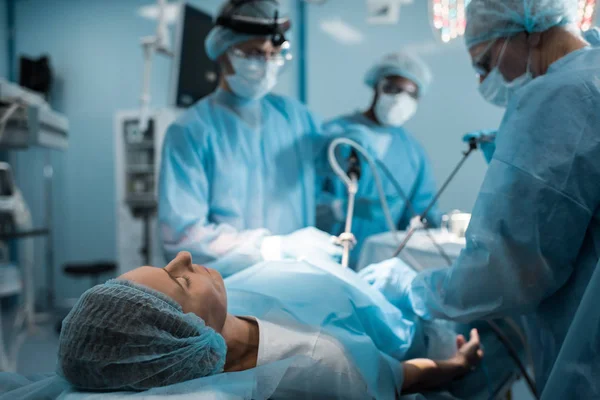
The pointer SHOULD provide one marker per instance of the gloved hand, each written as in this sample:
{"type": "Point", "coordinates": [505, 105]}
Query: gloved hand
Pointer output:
{"type": "Point", "coordinates": [392, 278]}
{"type": "Point", "coordinates": [416, 223]}
{"type": "Point", "coordinates": [309, 243]}
{"type": "Point", "coordinates": [592, 36]}
{"type": "Point", "coordinates": [487, 143]}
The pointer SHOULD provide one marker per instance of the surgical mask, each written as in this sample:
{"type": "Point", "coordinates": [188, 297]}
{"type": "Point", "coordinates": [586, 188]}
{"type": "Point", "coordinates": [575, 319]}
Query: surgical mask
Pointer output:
{"type": "Point", "coordinates": [252, 79]}
{"type": "Point", "coordinates": [395, 109]}
{"type": "Point", "coordinates": [496, 90]}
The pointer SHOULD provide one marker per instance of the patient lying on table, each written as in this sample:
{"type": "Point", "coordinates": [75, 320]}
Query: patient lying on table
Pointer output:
{"type": "Point", "coordinates": [154, 327]}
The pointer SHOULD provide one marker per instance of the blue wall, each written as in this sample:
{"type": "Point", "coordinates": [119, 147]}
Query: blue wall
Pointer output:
{"type": "Point", "coordinates": [3, 40]}
{"type": "Point", "coordinates": [95, 51]}
{"type": "Point", "coordinates": [452, 107]}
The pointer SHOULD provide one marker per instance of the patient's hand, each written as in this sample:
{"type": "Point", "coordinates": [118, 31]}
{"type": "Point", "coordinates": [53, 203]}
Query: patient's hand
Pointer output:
{"type": "Point", "coordinates": [469, 353]}
{"type": "Point", "coordinates": [424, 374]}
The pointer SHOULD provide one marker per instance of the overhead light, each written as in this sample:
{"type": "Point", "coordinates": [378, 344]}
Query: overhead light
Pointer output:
{"type": "Point", "coordinates": [448, 18]}
{"type": "Point", "coordinates": [151, 12]}
{"type": "Point", "coordinates": [587, 14]}
{"type": "Point", "coordinates": [341, 32]}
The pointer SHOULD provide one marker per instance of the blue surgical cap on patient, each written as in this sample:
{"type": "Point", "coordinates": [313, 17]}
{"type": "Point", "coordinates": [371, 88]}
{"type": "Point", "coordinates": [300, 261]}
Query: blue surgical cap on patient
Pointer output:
{"type": "Point", "coordinates": [401, 64]}
{"type": "Point", "coordinates": [220, 39]}
{"type": "Point", "coordinates": [122, 336]}
{"type": "Point", "coordinates": [492, 19]}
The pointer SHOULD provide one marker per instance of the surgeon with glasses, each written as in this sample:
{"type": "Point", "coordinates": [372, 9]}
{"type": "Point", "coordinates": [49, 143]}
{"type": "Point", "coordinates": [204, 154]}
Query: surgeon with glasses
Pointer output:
{"type": "Point", "coordinates": [235, 184]}
{"type": "Point", "coordinates": [533, 243]}
{"type": "Point", "coordinates": [398, 81]}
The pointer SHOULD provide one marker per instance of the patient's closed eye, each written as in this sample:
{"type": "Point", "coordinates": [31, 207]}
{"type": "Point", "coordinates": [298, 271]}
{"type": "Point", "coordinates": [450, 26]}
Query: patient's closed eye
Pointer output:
{"type": "Point", "coordinates": [186, 279]}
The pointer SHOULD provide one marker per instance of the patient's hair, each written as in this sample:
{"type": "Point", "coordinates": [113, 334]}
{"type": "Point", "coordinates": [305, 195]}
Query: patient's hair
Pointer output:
{"type": "Point", "coordinates": [124, 336]}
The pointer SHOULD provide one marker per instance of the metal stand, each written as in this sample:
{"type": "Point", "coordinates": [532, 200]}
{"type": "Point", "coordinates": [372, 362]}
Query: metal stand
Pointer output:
{"type": "Point", "coordinates": [146, 214]}
{"type": "Point", "coordinates": [26, 317]}
{"type": "Point", "coordinates": [48, 181]}
{"type": "Point", "coordinates": [147, 239]}
{"type": "Point", "coordinates": [347, 238]}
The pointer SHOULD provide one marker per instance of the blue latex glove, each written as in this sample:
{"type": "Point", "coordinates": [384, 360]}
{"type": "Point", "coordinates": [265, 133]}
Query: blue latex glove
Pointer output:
{"type": "Point", "coordinates": [392, 278]}
{"type": "Point", "coordinates": [309, 244]}
{"type": "Point", "coordinates": [488, 147]}
{"type": "Point", "coordinates": [592, 36]}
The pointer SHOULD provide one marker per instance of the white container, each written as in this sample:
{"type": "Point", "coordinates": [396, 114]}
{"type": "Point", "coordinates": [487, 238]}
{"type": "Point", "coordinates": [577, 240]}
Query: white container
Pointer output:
{"type": "Point", "coordinates": [456, 223]}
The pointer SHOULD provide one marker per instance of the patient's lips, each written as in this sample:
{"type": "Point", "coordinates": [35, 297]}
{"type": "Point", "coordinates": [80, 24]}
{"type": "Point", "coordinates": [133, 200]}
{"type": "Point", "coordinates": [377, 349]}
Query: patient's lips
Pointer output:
{"type": "Point", "coordinates": [214, 274]}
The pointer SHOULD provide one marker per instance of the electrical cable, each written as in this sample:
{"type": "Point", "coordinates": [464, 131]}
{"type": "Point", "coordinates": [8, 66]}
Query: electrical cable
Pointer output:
{"type": "Point", "coordinates": [472, 147]}
{"type": "Point", "coordinates": [348, 182]}
{"type": "Point", "coordinates": [515, 356]}
{"type": "Point", "coordinates": [412, 210]}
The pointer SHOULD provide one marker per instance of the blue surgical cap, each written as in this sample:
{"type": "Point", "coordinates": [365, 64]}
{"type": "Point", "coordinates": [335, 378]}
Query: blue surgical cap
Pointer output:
{"type": "Point", "coordinates": [492, 19]}
{"type": "Point", "coordinates": [220, 39]}
{"type": "Point", "coordinates": [122, 336]}
{"type": "Point", "coordinates": [402, 64]}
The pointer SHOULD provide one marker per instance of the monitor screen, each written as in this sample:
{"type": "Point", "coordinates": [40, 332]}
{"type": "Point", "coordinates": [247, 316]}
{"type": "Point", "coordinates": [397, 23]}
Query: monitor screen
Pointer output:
{"type": "Point", "coordinates": [36, 74]}
{"type": "Point", "coordinates": [194, 74]}
{"type": "Point", "coordinates": [6, 183]}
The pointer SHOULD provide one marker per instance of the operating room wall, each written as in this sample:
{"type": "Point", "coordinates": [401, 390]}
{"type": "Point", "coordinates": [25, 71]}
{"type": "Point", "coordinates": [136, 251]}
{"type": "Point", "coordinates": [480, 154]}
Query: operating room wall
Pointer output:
{"type": "Point", "coordinates": [451, 108]}
{"type": "Point", "coordinates": [97, 60]}
{"type": "Point", "coordinates": [3, 40]}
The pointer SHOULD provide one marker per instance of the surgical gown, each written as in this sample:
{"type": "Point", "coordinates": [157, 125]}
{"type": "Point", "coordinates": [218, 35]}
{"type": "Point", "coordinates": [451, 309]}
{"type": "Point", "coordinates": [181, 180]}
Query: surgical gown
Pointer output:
{"type": "Point", "coordinates": [404, 157]}
{"type": "Point", "coordinates": [234, 171]}
{"type": "Point", "coordinates": [534, 238]}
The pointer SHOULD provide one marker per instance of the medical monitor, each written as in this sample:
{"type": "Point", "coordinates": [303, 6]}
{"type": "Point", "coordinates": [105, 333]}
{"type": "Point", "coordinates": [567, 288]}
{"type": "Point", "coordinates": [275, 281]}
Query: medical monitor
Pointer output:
{"type": "Point", "coordinates": [194, 75]}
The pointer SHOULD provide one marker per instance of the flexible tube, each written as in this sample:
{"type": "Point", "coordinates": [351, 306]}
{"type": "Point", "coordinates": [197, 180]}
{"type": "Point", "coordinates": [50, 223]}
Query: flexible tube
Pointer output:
{"type": "Point", "coordinates": [348, 182]}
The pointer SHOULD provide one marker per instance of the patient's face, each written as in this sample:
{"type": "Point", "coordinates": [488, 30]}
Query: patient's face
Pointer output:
{"type": "Point", "coordinates": [197, 289]}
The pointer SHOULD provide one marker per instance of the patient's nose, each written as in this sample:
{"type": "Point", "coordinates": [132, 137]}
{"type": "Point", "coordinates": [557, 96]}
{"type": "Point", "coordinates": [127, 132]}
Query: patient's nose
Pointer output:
{"type": "Point", "coordinates": [182, 262]}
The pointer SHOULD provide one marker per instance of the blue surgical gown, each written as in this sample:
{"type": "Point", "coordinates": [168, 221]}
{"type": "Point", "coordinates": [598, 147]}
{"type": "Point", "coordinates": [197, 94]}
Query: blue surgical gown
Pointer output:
{"type": "Point", "coordinates": [534, 238]}
{"type": "Point", "coordinates": [404, 157]}
{"type": "Point", "coordinates": [234, 171]}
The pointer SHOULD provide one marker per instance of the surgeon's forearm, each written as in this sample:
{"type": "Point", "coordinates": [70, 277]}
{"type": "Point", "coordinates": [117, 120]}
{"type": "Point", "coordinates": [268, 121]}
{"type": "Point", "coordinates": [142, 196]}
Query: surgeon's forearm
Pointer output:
{"type": "Point", "coordinates": [219, 246]}
{"type": "Point", "coordinates": [424, 374]}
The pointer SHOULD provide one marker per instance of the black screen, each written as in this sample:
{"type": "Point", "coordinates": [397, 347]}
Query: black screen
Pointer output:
{"type": "Point", "coordinates": [6, 183]}
{"type": "Point", "coordinates": [36, 74]}
{"type": "Point", "coordinates": [197, 75]}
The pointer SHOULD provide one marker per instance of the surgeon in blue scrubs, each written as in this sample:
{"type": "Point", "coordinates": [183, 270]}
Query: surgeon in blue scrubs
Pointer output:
{"type": "Point", "coordinates": [533, 244]}
{"type": "Point", "coordinates": [398, 81]}
{"type": "Point", "coordinates": [237, 185]}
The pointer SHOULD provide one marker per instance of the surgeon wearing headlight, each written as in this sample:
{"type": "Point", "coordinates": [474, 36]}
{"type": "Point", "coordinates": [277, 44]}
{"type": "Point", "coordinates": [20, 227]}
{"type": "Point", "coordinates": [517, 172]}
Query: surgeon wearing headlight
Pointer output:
{"type": "Point", "coordinates": [399, 81]}
{"type": "Point", "coordinates": [533, 244]}
{"type": "Point", "coordinates": [235, 187]}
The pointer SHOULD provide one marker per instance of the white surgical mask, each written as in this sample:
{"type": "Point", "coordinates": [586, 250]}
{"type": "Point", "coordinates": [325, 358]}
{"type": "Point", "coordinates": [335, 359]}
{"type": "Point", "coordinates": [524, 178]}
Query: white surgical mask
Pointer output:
{"type": "Point", "coordinates": [252, 79]}
{"type": "Point", "coordinates": [496, 90]}
{"type": "Point", "coordinates": [395, 109]}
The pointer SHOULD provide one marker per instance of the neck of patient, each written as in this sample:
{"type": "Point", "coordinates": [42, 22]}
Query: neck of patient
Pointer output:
{"type": "Point", "coordinates": [241, 337]}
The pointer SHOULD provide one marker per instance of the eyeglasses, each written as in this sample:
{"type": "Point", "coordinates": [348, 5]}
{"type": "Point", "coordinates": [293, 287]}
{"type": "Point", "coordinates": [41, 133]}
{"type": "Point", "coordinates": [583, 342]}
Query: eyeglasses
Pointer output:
{"type": "Point", "coordinates": [388, 87]}
{"type": "Point", "coordinates": [483, 64]}
{"type": "Point", "coordinates": [280, 58]}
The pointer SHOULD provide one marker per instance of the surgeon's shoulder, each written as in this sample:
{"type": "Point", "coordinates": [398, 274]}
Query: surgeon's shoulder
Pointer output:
{"type": "Point", "coordinates": [194, 122]}
{"type": "Point", "coordinates": [340, 124]}
{"type": "Point", "coordinates": [291, 108]}
{"type": "Point", "coordinates": [568, 87]}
